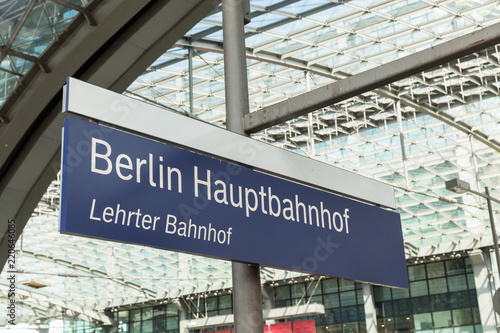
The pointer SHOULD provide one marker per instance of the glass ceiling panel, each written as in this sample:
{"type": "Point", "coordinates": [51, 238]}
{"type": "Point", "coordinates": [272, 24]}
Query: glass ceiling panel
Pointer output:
{"type": "Point", "coordinates": [27, 28]}
{"type": "Point", "coordinates": [11, 12]}
{"type": "Point", "coordinates": [43, 24]}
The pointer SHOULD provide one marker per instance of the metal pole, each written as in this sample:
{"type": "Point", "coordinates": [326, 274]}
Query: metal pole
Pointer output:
{"type": "Point", "coordinates": [235, 66]}
{"type": "Point", "coordinates": [310, 129]}
{"type": "Point", "coordinates": [247, 297]}
{"type": "Point", "coordinates": [191, 91]}
{"type": "Point", "coordinates": [493, 228]}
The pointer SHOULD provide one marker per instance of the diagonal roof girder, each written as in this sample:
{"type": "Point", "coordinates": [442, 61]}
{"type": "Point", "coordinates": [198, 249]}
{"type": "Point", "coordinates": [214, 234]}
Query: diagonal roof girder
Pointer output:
{"type": "Point", "coordinates": [372, 79]}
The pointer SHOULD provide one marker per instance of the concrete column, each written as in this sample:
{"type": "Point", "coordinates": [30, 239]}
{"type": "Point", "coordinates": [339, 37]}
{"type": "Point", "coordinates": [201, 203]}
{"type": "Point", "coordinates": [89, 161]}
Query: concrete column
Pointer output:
{"type": "Point", "coordinates": [370, 311]}
{"type": "Point", "coordinates": [181, 305]}
{"type": "Point", "coordinates": [482, 271]}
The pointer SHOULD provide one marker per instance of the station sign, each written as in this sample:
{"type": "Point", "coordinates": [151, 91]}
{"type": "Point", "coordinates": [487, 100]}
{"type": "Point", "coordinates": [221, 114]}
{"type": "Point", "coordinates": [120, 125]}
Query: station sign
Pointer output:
{"type": "Point", "coordinates": [126, 187]}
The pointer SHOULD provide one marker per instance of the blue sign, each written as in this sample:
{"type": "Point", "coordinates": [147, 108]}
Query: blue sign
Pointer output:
{"type": "Point", "coordinates": [123, 187]}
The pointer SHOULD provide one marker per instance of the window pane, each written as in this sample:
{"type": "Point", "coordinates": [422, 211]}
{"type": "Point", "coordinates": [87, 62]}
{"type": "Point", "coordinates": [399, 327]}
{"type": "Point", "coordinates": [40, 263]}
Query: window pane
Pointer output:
{"type": "Point", "coordinates": [476, 316]}
{"type": "Point", "coordinates": [361, 313]}
{"type": "Point", "coordinates": [423, 321]}
{"type": "Point", "coordinates": [359, 296]}
{"type": "Point", "coordinates": [160, 325]}
{"type": "Point", "coordinates": [459, 300]}
{"type": "Point", "coordinates": [225, 302]}
{"type": "Point", "coordinates": [470, 281]}
{"type": "Point", "coordinates": [468, 265]}
{"type": "Point", "coordinates": [435, 270]}
{"type": "Point", "coordinates": [159, 311]}
{"type": "Point", "coordinates": [332, 300]}
{"type": "Point", "coordinates": [123, 316]}
{"type": "Point", "coordinates": [147, 313]}
{"type": "Point", "coordinates": [454, 267]}
{"type": "Point", "coordinates": [404, 323]}
{"type": "Point", "coordinates": [462, 317]}
{"type": "Point", "coordinates": [457, 283]}
{"type": "Point", "coordinates": [316, 299]}
{"type": "Point", "coordinates": [440, 302]}
{"type": "Point", "coordinates": [437, 286]}
{"type": "Point", "coordinates": [386, 309]}
{"type": "Point", "coordinates": [464, 329]}
{"type": "Point", "coordinates": [135, 315]}
{"type": "Point", "coordinates": [147, 326]}
{"type": "Point", "coordinates": [416, 272]}
{"type": "Point", "coordinates": [283, 293]}
{"type": "Point", "coordinates": [385, 325]}
{"type": "Point", "coordinates": [442, 319]}
{"type": "Point", "coordinates": [402, 307]}
{"type": "Point", "coordinates": [473, 298]}
{"type": "Point", "coordinates": [135, 327]}
{"type": "Point", "coordinates": [333, 316]}
{"type": "Point", "coordinates": [382, 294]}
{"type": "Point", "coordinates": [421, 304]}
{"type": "Point", "coordinates": [335, 328]}
{"type": "Point", "coordinates": [284, 303]}
{"type": "Point", "coordinates": [225, 312]}
{"type": "Point", "coordinates": [298, 290]}
{"type": "Point", "coordinates": [400, 293]}
{"type": "Point", "coordinates": [418, 288]}
{"type": "Point", "coordinates": [172, 310]}
{"type": "Point", "coordinates": [348, 298]}
{"type": "Point", "coordinates": [346, 285]}
{"type": "Point", "coordinates": [172, 323]}
{"type": "Point", "coordinates": [211, 303]}
{"type": "Point", "coordinates": [349, 314]}
{"type": "Point", "coordinates": [330, 286]}
{"type": "Point", "coordinates": [350, 328]}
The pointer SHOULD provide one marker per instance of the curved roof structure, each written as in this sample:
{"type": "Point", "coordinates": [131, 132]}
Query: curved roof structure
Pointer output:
{"type": "Point", "coordinates": [414, 133]}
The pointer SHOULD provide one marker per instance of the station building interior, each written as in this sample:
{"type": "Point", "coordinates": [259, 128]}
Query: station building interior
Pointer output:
{"type": "Point", "coordinates": [415, 133]}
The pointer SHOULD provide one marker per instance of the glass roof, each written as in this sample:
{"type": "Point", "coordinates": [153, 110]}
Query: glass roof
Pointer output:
{"type": "Point", "coordinates": [395, 134]}
{"type": "Point", "coordinates": [27, 28]}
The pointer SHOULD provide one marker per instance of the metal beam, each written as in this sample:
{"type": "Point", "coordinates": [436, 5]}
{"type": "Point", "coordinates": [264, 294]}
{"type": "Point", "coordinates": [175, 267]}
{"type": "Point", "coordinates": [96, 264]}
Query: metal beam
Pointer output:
{"type": "Point", "coordinates": [372, 79]}
{"type": "Point", "coordinates": [8, 51]}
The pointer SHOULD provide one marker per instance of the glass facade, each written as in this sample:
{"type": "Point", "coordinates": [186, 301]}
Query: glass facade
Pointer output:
{"type": "Point", "coordinates": [208, 306]}
{"type": "Point", "coordinates": [442, 299]}
{"type": "Point", "coordinates": [159, 318]}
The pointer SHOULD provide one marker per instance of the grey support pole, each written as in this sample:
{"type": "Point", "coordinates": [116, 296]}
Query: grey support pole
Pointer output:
{"type": "Point", "coordinates": [493, 228]}
{"type": "Point", "coordinates": [191, 89]}
{"type": "Point", "coordinates": [235, 65]}
{"type": "Point", "coordinates": [247, 297]}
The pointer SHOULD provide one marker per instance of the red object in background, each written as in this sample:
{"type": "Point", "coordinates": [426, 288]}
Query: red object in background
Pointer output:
{"type": "Point", "coordinates": [281, 328]}
{"type": "Point", "coordinates": [305, 326]}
